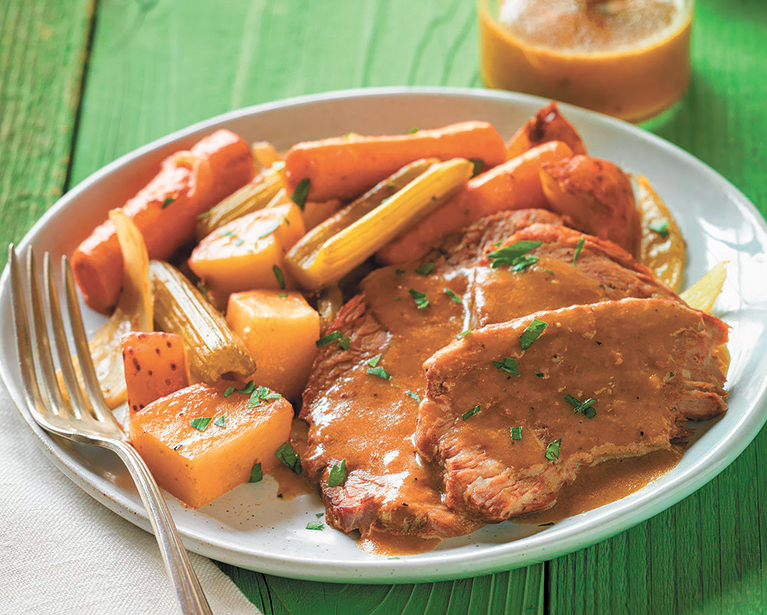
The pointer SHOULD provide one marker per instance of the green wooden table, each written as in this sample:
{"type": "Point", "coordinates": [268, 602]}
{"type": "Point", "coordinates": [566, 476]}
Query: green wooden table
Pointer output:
{"type": "Point", "coordinates": [85, 81]}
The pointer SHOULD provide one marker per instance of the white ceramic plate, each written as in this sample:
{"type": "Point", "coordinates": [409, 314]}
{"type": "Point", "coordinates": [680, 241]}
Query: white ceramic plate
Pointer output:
{"type": "Point", "coordinates": [249, 527]}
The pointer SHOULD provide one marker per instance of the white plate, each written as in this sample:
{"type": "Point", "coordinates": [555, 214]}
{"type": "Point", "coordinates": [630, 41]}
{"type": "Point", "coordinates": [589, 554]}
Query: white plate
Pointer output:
{"type": "Point", "coordinates": [249, 527]}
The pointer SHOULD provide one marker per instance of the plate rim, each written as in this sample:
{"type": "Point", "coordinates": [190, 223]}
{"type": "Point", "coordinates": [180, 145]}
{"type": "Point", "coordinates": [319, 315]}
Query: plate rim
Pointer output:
{"type": "Point", "coordinates": [449, 565]}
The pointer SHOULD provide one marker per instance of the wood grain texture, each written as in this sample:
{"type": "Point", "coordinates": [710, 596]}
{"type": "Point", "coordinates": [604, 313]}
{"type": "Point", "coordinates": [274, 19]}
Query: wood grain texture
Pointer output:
{"type": "Point", "coordinates": [42, 57]}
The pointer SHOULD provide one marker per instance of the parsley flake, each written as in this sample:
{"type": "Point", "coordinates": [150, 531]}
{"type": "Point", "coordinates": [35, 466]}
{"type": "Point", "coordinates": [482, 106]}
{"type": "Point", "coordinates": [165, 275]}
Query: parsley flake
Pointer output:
{"type": "Point", "coordinates": [220, 421]}
{"type": "Point", "coordinates": [201, 423]}
{"type": "Point", "coordinates": [375, 360]}
{"type": "Point", "coordinates": [343, 341]}
{"type": "Point", "coordinates": [660, 227]}
{"type": "Point", "coordinates": [414, 130]}
{"type": "Point", "coordinates": [516, 433]}
{"type": "Point", "coordinates": [289, 457]}
{"type": "Point", "coordinates": [261, 394]}
{"type": "Point", "coordinates": [479, 164]}
{"type": "Point", "coordinates": [337, 474]}
{"type": "Point", "coordinates": [552, 450]}
{"type": "Point", "coordinates": [246, 390]}
{"type": "Point", "coordinates": [413, 395]}
{"type": "Point", "coordinates": [256, 475]}
{"type": "Point", "coordinates": [532, 333]}
{"type": "Point", "coordinates": [513, 253]}
{"type": "Point", "coordinates": [420, 299]}
{"type": "Point", "coordinates": [578, 249]}
{"type": "Point", "coordinates": [279, 276]}
{"type": "Point", "coordinates": [315, 525]}
{"type": "Point", "coordinates": [585, 408]}
{"type": "Point", "coordinates": [469, 413]}
{"type": "Point", "coordinates": [453, 297]}
{"type": "Point", "coordinates": [508, 365]}
{"type": "Point", "coordinates": [300, 193]}
{"type": "Point", "coordinates": [319, 515]}
{"type": "Point", "coordinates": [380, 372]}
{"type": "Point", "coordinates": [425, 269]}
{"type": "Point", "coordinates": [167, 201]}
{"type": "Point", "coordinates": [464, 333]}
{"type": "Point", "coordinates": [282, 295]}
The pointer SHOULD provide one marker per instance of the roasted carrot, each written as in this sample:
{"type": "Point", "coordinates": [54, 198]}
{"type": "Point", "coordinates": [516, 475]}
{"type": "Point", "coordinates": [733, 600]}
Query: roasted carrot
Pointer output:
{"type": "Point", "coordinates": [516, 184]}
{"type": "Point", "coordinates": [343, 168]}
{"type": "Point", "coordinates": [165, 211]}
{"type": "Point", "coordinates": [545, 126]}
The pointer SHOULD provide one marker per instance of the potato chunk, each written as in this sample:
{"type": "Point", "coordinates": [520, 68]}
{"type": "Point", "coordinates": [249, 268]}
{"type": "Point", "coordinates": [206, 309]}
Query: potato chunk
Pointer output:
{"type": "Point", "coordinates": [197, 455]}
{"type": "Point", "coordinates": [154, 365]}
{"type": "Point", "coordinates": [248, 252]}
{"type": "Point", "coordinates": [280, 330]}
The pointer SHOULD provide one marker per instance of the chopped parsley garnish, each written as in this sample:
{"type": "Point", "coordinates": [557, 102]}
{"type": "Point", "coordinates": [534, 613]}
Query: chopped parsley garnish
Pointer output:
{"type": "Point", "coordinates": [282, 295]}
{"type": "Point", "coordinates": [585, 407]}
{"type": "Point", "coordinates": [201, 423]}
{"type": "Point", "coordinates": [479, 164]}
{"type": "Point", "coordinates": [425, 269]}
{"type": "Point", "coordinates": [319, 515]}
{"type": "Point", "coordinates": [380, 372]}
{"type": "Point", "coordinates": [508, 365]}
{"type": "Point", "coordinates": [578, 249]}
{"type": "Point", "coordinates": [523, 262]}
{"type": "Point", "coordinates": [413, 395]}
{"type": "Point", "coordinates": [540, 374]}
{"type": "Point", "coordinates": [399, 271]}
{"type": "Point", "coordinates": [513, 254]}
{"type": "Point", "coordinates": [289, 457]}
{"type": "Point", "coordinates": [167, 201]}
{"type": "Point", "coordinates": [220, 421]}
{"type": "Point", "coordinates": [205, 215]}
{"type": "Point", "coordinates": [414, 130]}
{"type": "Point", "coordinates": [420, 299]}
{"type": "Point", "coordinates": [532, 333]}
{"type": "Point", "coordinates": [375, 360]}
{"type": "Point", "coordinates": [337, 474]}
{"type": "Point", "coordinates": [343, 341]}
{"type": "Point", "coordinates": [261, 394]}
{"type": "Point", "coordinates": [660, 227]}
{"type": "Point", "coordinates": [469, 413]}
{"type": "Point", "coordinates": [246, 390]}
{"type": "Point", "coordinates": [464, 333]}
{"type": "Point", "coordinates": [552, 450]}
{"type": "Point", "coordinates": [516, 433]}
{"type": "Point", "coordinates": [279, 276]}
{"type": "Point", "coordinates": [256, 475]}
{"type": "Point", "coordinates": [315, 525]}
{"type": "Point", "coordinates": [300, 193]}
{"type": "Point", "coordinates": [453, 297]}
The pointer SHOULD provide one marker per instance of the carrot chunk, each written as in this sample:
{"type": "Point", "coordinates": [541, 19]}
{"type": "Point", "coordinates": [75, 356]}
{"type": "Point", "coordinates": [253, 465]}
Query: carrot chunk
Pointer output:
{"type": "Point", "coordinates": [343, 168]}
{"type": "Point", "coordinates": [165, 212]}
{"type": "Point", "coordinates": [515, 184]}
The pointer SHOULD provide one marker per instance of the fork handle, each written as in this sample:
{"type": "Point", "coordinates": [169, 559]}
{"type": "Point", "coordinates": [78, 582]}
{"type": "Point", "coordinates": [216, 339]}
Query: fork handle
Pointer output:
{"type": "Point", "coordinates": [188, 589]}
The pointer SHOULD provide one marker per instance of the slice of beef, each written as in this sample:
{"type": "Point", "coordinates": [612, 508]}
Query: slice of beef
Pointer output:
{"type": "Point", "coordinates": [648, 365]}
{"type": "Point", "coordinates": [405, 314]}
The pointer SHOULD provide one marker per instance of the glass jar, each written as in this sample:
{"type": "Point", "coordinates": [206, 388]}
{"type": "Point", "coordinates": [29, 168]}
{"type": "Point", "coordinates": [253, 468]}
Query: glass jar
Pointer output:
{"type": "Point", "coordinates": [627, 58]}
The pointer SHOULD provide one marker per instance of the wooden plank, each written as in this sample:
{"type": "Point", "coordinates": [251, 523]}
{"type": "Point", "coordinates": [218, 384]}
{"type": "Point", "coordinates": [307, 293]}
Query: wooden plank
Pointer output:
{"type": "Point", "coordinates": [42, 54]}
{"type": "Point", "coordinates": [159, 66]}
{"type": "Point", "coordinates": [708, 554]}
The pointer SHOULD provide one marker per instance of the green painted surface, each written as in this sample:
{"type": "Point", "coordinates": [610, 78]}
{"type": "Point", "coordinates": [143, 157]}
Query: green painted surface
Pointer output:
{"type": "Point", "coordinates": [157, 66]}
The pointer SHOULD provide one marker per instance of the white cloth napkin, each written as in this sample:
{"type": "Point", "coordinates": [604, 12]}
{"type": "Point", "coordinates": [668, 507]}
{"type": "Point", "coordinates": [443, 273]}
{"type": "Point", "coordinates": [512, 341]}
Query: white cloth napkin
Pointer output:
{"type": "Point", "coordinates": [62, 552]}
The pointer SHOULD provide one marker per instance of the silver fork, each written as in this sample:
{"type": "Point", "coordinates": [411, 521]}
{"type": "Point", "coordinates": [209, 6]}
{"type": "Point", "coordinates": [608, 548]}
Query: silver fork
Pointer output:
{"type": "Point", "coordinates": [86, 418]}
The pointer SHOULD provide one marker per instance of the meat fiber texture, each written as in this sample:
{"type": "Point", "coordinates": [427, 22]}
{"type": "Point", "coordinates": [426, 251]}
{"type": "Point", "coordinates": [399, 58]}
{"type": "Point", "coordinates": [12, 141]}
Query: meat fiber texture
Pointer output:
{"type": "Point", "coordinates": [357, 414]}
{"type": "Point", "coordinates": [648, 365]}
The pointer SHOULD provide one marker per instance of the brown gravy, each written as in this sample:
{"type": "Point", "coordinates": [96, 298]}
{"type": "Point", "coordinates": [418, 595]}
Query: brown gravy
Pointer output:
{"type": "Point", "coordinates": [605, 483]}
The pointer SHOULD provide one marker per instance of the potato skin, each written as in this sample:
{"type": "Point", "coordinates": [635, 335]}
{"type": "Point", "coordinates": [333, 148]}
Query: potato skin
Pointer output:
{"type": "Point", "coordinates": [597, 197]}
